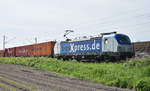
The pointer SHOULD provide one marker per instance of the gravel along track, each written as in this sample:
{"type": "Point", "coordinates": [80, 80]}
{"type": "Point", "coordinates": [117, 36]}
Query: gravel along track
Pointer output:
{"type": "Point", "coordinates": [20, 78]}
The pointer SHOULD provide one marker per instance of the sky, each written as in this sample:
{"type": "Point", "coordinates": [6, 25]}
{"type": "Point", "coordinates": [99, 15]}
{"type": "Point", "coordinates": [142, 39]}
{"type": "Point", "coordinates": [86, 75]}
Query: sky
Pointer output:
{"type": "Point", "coordinates": [21, 21]}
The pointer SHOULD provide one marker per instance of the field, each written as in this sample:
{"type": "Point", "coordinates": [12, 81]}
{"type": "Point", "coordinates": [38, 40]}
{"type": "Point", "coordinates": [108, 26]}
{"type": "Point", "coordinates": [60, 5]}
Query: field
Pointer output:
{"type": "Point", "coordinates": [133, 74]}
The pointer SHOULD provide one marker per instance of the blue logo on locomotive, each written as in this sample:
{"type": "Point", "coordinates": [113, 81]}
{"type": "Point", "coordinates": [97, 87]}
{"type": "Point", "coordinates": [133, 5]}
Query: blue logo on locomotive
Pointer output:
{"type": "Point", "coordinates": [88, 46]}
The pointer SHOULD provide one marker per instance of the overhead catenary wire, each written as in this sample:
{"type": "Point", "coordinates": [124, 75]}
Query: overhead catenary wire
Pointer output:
{"type": "Point", "coordinates": [124, 13]}
{"type": "Point", "coordinates": [112, 25]}
{"type": "Point", "coordinates": [115, 22]}
{"type": "Point", "coordinates": [109, 20]}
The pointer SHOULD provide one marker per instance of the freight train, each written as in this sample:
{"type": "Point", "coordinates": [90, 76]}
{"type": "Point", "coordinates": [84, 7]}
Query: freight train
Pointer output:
{"type": "Point", "coordinates": [107, 47]}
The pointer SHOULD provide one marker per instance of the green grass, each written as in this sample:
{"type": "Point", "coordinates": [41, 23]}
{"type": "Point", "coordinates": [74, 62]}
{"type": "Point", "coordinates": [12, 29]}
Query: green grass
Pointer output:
{"type": "Point", "coordinates": [133, 74]}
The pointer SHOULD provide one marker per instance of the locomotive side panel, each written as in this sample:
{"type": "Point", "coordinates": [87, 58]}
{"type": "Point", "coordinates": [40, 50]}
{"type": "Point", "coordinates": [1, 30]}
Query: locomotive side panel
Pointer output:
{"type": "Point", "coordinates": [57, 49]}
{"type": "Point", "coordinates": [81, 47]}
{"type": "Point", "coordinates": [109, 44]}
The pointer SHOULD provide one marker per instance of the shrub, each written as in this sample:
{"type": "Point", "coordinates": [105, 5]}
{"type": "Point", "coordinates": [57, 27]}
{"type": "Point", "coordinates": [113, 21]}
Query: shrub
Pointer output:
{"type": "Point", "coordinates": [143, 86]}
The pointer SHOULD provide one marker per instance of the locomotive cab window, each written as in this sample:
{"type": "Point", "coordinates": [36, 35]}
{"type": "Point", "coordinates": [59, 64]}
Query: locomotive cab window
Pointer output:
{"type": "Point", "coordinates": [123, 39]}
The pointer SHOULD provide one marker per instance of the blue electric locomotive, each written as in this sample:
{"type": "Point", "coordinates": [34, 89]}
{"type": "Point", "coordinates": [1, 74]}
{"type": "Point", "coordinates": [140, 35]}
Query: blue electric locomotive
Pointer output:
{"type": "Point", "coordinates": [111, 47]}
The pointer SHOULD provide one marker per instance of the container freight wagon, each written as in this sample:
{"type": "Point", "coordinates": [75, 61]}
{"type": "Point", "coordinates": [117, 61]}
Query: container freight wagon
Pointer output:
{"type": "Point", "coordinates": [43, 49]}
{"type": "Point", "coordinates": [10, 52]}
{"type": "Point", "coordinates": [1, 53]}
{"type": "Point", "coordinates": [23, 51]}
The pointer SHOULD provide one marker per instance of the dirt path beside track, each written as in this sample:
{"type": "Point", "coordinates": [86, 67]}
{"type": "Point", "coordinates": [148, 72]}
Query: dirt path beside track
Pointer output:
{"type": "Point", "coordinates": [20, 78]}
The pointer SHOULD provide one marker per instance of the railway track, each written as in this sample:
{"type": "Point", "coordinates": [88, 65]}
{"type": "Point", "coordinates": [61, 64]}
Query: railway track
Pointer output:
{"type": "Point", "coordinates": [20, 78]}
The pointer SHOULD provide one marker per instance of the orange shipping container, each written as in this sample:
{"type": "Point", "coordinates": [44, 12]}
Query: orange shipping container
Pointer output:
{"type": "Point", "coordinates": [23, 51]}
{"type": "Point", "coordinates": [1, 53]}
{"type": "Point", "coordinates": [10, 52]}
{"type": "Point", "coordinates": [43, 49]}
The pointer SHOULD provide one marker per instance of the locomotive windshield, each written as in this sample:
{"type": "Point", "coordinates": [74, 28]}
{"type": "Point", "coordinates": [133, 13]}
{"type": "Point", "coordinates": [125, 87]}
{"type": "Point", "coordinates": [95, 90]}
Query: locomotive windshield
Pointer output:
{"type": "Point", "coordinates": [123, 39]}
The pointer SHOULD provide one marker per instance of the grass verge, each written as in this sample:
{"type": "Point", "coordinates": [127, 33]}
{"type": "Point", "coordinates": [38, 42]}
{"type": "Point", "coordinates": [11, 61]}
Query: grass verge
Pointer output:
{"type": "Point", "coordinates": [133, 74]}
